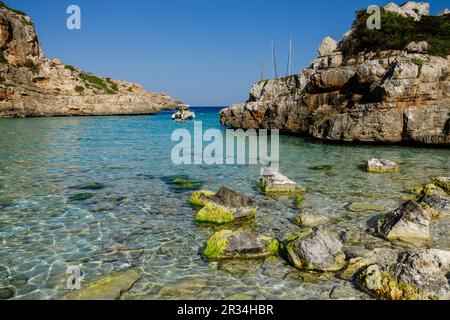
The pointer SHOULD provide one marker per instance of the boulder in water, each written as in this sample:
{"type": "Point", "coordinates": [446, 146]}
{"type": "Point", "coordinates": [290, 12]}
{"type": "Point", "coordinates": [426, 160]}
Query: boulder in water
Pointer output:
{"type": "Point", "coordinates": [274, 183]}
{"type": "Point", "coordinates": [240, 244]}
{"type": "Point", "coordinates": [317, 250]}
{"type": "Point", "coordinates": [381, 166]}
{"type": "Point", "coordinates": [408, 223]}
{"type": "Point", "coordinates": [225, 206]}
{"type": "Point", "coordinates": [418, 275]}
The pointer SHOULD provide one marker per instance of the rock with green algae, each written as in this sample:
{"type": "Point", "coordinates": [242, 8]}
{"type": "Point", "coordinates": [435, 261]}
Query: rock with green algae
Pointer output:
{"type": "Point", "coordinates": [90, 186]}
{"type": "Point", "coordinates": [226, 206]}
{"type": "Point", "coordinates": [108, 288]}
{"type": "Point", "coordinates": [240, 244]}
{"type": "Point", "coordinates": [356, 265]}
{"type": "Point", "coordinates": [433, 199]}
{"type": "Point", "coordinates": [444, 183]}
{"type": "Point", "coordinates": [318, 250]}
{"type": "Point", "coordinates": [201, 198]}
{"type": "Point", "coordinates": [418, 275]}
{"type": "Point", "coordinates": [409, 223]}
{"type": "Point", "coordinates": [274, 183]}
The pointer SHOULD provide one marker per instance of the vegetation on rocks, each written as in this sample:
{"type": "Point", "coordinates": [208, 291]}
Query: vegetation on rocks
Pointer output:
{"type": "Point", "coordinates": [98, 83]}
{"type": "Point", "coordinates": [3, 5]}
{"type": "Point", "coordinates": [33, 67]}
{"type": "Point", "coordinates": [397, 32]}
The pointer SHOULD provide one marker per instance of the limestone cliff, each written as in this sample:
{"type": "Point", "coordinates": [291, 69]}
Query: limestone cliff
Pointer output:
{"type": "Point", "coordinates": [31, 85]}
{"type": "Point", "coordinates": [398, 94]}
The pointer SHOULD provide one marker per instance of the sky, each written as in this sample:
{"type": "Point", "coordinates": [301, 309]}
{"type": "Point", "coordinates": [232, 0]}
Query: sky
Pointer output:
{"type": "Point", "coordinates": [203, 52]}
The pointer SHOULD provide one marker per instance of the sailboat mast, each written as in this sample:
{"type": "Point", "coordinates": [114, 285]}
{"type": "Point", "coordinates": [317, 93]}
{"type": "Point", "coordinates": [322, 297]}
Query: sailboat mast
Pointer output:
{"type": "Point", "coordinates": [274, 61]}
{"type": "Point", "coordinates": [289, 67]}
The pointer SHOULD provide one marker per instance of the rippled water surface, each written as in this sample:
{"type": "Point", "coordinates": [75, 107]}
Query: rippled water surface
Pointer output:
{"type": "Point", "coordinates": [133, 217]}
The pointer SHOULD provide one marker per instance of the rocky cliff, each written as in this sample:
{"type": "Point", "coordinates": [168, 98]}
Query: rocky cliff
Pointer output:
{"type": "Point", "coordinates": [31, 85]}
{"type": "Point", "coordinates": [374, 86]}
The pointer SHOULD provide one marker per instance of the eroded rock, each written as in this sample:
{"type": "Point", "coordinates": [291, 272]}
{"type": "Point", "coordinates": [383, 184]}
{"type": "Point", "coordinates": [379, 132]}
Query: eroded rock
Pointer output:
{"type": "Point", "coordinates": [317, 250]}
{"type": "Point", "coordinates": [240, 244]}
{"type": "Point", "coordinates": [408, 223]}
{"type": "Point", "coordinates": [225, 206]}
{"type": "Point", "coordinates": [381, 166]}
{"type": "Point", "coordinates": [274, 183]}
{"type": "Point", "coordinates": [418, 275]}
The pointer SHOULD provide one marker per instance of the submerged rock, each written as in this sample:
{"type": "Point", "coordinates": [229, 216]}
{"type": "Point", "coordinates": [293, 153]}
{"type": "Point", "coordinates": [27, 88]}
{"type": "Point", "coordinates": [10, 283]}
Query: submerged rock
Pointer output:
{"type": "Point", "coordinates": [225, 206]}
{"type": "Point", "coordinates": [90, 186]}
{"type": "Point", "coordinates": [274, 183]}
{"type": "Point", "coordinates": [7, 293]}
{"type": "Point", "coordinates": [365, 207]}
{"type": "Point", "coordinates": [108, 288]}
{"type": "Point", "coordinates": [418, 275]}
{"type": "Point", "coordinates": [408, 223]}
{"type": "Point", "coordinates": [317, 250]}
{"type": "Point", "coordinates": [81, 197]}
{"type": "Point", "coordinates": [306, 219]}
{"type": "Point", "coordinates": [381, 166]}
{"type": "Point", "coordinates": [356, 265]}
{"type": "Point", "coordinates": [241, 244]}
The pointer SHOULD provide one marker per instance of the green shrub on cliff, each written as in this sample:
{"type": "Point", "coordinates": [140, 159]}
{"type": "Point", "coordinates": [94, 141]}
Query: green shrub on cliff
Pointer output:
{"type": "Point", "coordinates": [98, 83]}
{"type": "Point", "coordinates": [79, 89]}
{"type": "Point", "coordinates": [397, 32]}
{"type": "Point", "coordinates": [3, 5]}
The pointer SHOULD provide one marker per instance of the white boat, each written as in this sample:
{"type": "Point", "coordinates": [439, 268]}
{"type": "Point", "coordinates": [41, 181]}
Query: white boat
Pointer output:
{"type": "Point", "coordinates": [183, 114]}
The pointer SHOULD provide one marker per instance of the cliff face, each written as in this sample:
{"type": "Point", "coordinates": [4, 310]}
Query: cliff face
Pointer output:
{"type": "Point", "coordinates": [31, 85]}
{"type": "Point", "coordinates": [391, 96]}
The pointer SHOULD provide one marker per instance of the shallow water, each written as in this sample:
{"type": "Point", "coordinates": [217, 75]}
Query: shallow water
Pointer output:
{"type": "Point", "coordinates": [48, 223]}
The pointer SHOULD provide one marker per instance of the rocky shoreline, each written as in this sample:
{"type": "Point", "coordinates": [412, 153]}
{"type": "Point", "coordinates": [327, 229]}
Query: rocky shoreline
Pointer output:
{"type": "Point", "coordinates": [385, 96]}
{"type": "Point", "coordinates": [34, 86]}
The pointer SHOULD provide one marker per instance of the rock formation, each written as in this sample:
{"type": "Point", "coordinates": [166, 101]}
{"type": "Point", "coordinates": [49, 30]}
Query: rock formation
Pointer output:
{"type": "Point", "coordinates": [393, 96]}
{"type": "Point", "coordinates": [418, 275]}
{"type": "Point", "coordinates": [32, 85]}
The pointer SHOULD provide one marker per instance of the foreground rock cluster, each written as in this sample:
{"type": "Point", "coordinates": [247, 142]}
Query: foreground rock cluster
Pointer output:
{"type": "Point", "coordinates": [417, 274]}
{"type": "Point", "coordinates": [32, 85]}
{"type": "Point", "coordinates": [390, 96]}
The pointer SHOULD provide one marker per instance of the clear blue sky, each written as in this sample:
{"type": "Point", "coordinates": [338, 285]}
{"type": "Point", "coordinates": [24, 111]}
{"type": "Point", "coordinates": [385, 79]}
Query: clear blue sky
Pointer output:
{"type": "Point", "coordinates": [204, 52]}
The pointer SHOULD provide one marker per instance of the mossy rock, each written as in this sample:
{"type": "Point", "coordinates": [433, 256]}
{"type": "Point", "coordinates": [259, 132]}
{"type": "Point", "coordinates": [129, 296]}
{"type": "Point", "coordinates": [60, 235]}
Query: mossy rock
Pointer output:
{"type": "Point", "coordinates": [216, 214]}
{"type": "Point", "coordinates": [444, 183]}
{"type": "Point", "coordinates": [200, 198]}
{"type": "Point", "coordinates": [108, 288]}
{"type": "Point", "coordinates": [181, 184]}
{"type": "Point", "coordinates": [240, 244]}
{"type": "Point", "coordinates": [382, 284]}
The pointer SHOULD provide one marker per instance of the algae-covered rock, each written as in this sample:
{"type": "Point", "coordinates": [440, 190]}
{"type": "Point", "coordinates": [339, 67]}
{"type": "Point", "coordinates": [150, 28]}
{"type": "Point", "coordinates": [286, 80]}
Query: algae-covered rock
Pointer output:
{"type": "Point", "coordinates": [318, 250]}
{"type": "Point", "coordinates": [418, 275]}
{"type": "Point", "coordinates": [108, 288]}
{"type": "Point", "coordinates": [7, 293]}
{"type": "Point", "coordinates": [306, 219]}
{"type": "Point", "coordinates": [90, 186]}
{"type": "Point", "coordinates": [274, 183]}
{"type": "Point", "coordinates": [435, 206]}
{"type": "Point", "coordinates": [408, 223]}
{"type": "Point", "coordinates": [225, 206]}
{"type": "Point", "coordinates": [381, 166]}
{"type": "Point", "coordinates": [240, 244]}
{"type": "Point", "coordinates": [444, 183]}
{"type": "Point", "coordinates": [201, 198]}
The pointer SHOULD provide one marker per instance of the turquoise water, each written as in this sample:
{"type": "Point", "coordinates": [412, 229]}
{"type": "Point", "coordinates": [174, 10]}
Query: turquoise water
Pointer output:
{"type": "Point", "coordinates": [135, 218]}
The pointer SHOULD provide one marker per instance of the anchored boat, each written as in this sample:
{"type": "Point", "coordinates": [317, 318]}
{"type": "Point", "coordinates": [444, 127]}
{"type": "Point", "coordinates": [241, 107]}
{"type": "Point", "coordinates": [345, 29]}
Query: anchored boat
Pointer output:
{"type": "Point", "coordinates": [183, 114]}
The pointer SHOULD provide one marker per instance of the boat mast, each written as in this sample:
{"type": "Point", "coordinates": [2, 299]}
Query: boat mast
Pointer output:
{"type": "Point", "coordinates": [274, 61]}
{"type": "Point", "coordinates": [289, 66]}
